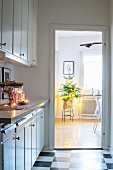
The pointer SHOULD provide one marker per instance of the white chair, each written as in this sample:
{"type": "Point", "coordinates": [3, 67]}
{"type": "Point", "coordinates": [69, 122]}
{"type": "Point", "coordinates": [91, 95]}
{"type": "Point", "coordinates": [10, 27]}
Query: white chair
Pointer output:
{"type": "Point", "coordinates": [98, 112]}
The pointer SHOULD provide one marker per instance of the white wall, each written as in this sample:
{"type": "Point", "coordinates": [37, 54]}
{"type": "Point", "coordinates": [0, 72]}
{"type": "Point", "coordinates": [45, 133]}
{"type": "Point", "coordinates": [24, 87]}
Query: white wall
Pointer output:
{"type": "Point", "coordinates": [87, 12]}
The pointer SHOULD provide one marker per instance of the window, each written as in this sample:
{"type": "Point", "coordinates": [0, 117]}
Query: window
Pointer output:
{"type": "Point", "coordinates": [92, 63]}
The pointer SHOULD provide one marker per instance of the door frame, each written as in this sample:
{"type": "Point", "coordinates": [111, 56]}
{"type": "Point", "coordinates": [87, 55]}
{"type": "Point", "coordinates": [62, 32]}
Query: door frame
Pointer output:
{"type": "Point", "coordinates": [106, 81]}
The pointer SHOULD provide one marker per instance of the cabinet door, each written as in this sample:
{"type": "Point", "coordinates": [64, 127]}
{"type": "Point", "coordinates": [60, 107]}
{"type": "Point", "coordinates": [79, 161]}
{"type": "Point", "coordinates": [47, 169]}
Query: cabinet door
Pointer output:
{"type": "Point", "coordinates": [0, 21]}
{"type": "Point", "coordinates": [17, 27]}
{"type": "Point", "coordinates": [20, 150]}
{"type": "Point", "coordinates": [9, 154]}
{"type": "Point", "coordinates": [42, 130]}
{"type": "Point", "coordinates": [30, 30]}
{"type": "Point", "coordinates": [33, 141]}
{"type": "Point", "coordinates": [35, 28]}
{"type": "Point", "coordinates": [7, 25]}
{"type": "Point", "coordinates": [38, 134]}
{"type": "Point", "coordinates": [24, 40]}
{"type": "Point", "coordinates": [28, 146]}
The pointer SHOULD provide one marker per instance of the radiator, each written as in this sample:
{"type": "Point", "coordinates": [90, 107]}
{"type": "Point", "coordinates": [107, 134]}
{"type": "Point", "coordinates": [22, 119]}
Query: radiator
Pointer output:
{"type": "Point", "coordinates": [88, 107]}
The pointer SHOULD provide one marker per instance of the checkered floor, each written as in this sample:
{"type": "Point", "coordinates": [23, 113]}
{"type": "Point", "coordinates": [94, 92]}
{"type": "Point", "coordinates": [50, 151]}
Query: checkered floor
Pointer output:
{"type": "Point", "coordinates": [74, 160]}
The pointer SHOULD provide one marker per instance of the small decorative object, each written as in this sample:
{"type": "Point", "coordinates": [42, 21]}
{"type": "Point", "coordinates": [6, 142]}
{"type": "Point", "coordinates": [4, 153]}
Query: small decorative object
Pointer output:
{"type": "Point", "coordinates": [8, 87]}
{"type": "Point", "coordinates": [68, 67]}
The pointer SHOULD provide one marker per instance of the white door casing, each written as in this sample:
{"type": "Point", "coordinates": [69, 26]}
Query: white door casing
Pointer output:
{"type": "Point", "coordinates": [106, 89]}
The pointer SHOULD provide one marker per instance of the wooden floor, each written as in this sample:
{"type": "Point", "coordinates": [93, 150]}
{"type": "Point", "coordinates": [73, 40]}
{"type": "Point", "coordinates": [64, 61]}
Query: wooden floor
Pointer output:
{"type": "Point", "coordinates": [77, 134]}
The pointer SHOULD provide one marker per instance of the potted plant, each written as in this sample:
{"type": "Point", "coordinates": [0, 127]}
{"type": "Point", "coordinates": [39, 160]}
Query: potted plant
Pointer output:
{"type": "Point", "coordinates": [69, 91]}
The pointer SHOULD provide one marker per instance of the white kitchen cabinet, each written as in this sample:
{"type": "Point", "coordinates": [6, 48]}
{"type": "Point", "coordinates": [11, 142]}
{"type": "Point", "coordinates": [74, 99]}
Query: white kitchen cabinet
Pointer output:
{"type": "Point", "coordinates": [8, 147]}
{"type": "Point", "coordinates": [0, 22]}
{"type": "Point", "coordinates": [23, 141]}
{"type": "Point", "coordinates": [32, 32]}
{"type": "Point", "coordinates": [38, 134]}
{"type": "Point", "coordinates": [33, 146]}
{"type": "Point", "coordinates": [21, 29]}
{"type": "Point", "coordinates": [20, 149]}
{"type": "Point", "coordinates": [17, 28]}
{"type": "Point", "coordinates": [18, 31]}
{"type": "Point", "coordinates": [9, 154]}
{"type": "Point", "coordinates": [7, 25]}
{"type": "Point", "coordinates": [24, 34]}
{"type": "Point", "coordinates": [28, 146]}
{"type": "Point", "coordinates": [40, 130]}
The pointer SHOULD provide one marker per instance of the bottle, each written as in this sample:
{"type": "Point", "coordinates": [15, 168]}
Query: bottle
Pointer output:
{"type": "Point", "coordinates": [22, 96]}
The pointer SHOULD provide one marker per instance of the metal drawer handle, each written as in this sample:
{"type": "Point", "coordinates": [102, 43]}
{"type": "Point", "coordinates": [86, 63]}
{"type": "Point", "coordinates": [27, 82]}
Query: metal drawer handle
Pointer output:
{"type": "Point", "coordinates": [22, 54]}
{"type": "Point", "coordinates": [18, 138]}
{"type": "Point", "coordinates": [4, 44]}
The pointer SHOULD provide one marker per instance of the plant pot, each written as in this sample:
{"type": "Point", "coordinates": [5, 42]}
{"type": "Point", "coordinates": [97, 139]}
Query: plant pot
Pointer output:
{"type": "Point", "coordinates": [67, 104]}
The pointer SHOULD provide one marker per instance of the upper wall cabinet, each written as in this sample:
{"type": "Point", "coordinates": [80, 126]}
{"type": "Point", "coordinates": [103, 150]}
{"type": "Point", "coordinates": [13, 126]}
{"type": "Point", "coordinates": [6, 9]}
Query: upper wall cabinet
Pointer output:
{"type": "Point", "coordinates": [24, 41]}
{"type": "Point", "coordinates": [32, 32]}
{"type": "Point", "coordinates": [21, 29]}
{"type": "Point", "coordinates": [7, 25]}
{"type": "Point", "coordinates": [18, 31]}
{"type": "Point", "coordinates": [17, 28]}
{"type": "Point", "coordinates": [0, 21]}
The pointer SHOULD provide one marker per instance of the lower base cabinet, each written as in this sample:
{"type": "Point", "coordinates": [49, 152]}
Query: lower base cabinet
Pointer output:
{"type": "Point", "coordinates": [40, 131]}
{"type": "Point", "coordinates": [28, 146]}
{"type": "Point", "coordinates": [33, 145]}
{"type": "Point", "coordinates": [21, 149]}
{"type": "Point", "coordinates": [9, 154]}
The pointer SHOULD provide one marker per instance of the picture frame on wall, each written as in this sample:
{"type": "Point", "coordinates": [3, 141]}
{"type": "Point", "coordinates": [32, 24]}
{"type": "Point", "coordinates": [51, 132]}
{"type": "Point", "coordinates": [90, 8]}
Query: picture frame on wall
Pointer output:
{"type": "Point", "coordinates": [0, 81]}
{"type": "Point", "coordinates": [68, 67]}
{"type": "Point", "coordinates": [6, 75]}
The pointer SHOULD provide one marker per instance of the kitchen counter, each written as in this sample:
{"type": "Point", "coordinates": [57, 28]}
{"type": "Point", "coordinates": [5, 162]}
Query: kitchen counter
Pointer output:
{"type": "Point", "coordinates": [13, 116]}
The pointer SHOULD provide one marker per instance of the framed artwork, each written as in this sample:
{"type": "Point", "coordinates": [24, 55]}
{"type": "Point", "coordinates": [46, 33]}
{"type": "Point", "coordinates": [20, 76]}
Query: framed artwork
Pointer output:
{"type": "Point", "coordinates": [6, 75]}
{"type": "Point", "coordinates": [0, 81]}
{"type": "Point", "coordinates": [68, 67]}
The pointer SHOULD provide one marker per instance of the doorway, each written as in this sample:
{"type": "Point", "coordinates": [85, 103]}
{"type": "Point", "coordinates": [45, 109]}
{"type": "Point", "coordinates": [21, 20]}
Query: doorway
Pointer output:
{"type": "Point", "coordinates": [82, 52]}
{"type": "Point", "coordinates": [105, 80]}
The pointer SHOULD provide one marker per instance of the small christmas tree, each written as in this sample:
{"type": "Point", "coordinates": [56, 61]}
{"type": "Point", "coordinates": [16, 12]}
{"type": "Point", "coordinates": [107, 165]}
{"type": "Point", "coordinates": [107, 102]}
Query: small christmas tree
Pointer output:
{"type": "Point", "coordinates": [69, 91]}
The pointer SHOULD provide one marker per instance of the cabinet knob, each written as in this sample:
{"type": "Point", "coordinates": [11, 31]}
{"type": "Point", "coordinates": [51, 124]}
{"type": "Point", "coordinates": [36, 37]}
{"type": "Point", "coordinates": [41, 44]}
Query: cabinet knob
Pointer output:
{"type": "Point", "coordinates": [41, 116]}
{"type": "Point", "coordinates": [22, 54]}
{"type": "Point", "coordinates": [33, 125]}
{"type": "Point", "coordinates": [33, 60]}
{"type": "Point", "coordinates": [4, 44]}
{"type": "Point", "coordinates": [18, 138]}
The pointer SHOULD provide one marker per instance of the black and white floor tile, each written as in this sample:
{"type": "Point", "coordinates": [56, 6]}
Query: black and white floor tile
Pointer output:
{"type": "Point", "coordinates": [74, 160]}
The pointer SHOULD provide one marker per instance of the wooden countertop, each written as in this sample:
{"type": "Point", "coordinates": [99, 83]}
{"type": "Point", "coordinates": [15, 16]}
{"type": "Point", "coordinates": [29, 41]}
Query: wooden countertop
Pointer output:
{"type": "Point", "coordinates": [13, 116]}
